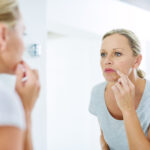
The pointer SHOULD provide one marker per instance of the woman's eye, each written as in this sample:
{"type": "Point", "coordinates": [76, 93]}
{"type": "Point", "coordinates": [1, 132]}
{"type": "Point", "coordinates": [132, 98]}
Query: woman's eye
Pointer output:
{"type": "Point", "coordinates": [103, 54]}
{"type": "Point", "coordinates": [117, 54]}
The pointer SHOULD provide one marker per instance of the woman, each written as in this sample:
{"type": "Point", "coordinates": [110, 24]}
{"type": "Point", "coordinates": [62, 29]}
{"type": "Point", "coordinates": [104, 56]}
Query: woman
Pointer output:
{"type": "Point", "coordinates": [122, 103]}
{"type": "Point", "coordinates": [15, 106]}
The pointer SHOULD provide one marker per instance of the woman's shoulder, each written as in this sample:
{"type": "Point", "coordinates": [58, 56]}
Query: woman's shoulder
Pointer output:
{"type": "Point", "coordinates": [96, 97]}
{"type": "Point", "coordinates": [98, 89]}
{"type": "Point", "coordinates": [7, 94]}
{"type": "Point", "coordinates": [148, 82]}
{"type": "Point", "coordinates": [99, 86]}
{"type": "Point", "coordinates": [147, 87]}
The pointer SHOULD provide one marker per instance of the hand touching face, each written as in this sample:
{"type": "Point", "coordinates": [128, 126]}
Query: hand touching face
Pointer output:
{"type": "Point", "coordinates": [124, 92]}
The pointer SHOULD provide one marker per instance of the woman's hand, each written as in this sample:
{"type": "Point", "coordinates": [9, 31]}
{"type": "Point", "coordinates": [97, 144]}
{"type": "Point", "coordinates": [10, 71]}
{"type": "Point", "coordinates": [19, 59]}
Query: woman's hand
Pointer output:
{"type": "Point", "coordinates": [124, 92]}
{"type": "Point", "coordinates": [27, 85]}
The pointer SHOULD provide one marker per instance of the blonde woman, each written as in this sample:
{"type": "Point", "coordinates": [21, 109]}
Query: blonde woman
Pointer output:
{"type": "Point", "coordinates": [122, 102]}
{"type": "Point", "coordinates": [15, 106]}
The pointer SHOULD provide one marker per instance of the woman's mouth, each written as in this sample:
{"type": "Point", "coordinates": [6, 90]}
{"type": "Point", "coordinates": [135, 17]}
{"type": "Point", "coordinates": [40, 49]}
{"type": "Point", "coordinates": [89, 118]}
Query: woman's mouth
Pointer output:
{"type": "Point", "coordinates": [109, 70]}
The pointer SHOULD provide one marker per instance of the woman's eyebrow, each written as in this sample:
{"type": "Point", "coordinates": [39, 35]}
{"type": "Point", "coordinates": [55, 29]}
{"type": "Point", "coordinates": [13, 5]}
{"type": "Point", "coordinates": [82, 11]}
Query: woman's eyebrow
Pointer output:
{"type": "Point", "coordinates": [112, 49]}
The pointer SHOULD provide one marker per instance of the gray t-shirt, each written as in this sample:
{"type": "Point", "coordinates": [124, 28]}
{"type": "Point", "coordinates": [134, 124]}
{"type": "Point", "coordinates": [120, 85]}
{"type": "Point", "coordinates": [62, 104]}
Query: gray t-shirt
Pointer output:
{"type": "Point", "coordinates": [113, 129]}
{"type": "Point", "coordinates": [11, 108]}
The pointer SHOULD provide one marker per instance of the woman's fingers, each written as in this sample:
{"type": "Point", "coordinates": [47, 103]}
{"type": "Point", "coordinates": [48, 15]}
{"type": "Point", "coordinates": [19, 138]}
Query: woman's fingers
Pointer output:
{"type": "Point", "coordinates": [119, 87]}
{"type": "Point", "coordinates": [36, 75]}
{"type": "Point", "coordinates": [25, 64]}
{"type": "Point", "coordinates": [27, 85]}
{"type": "Point", "coordinates": [19, 74]}
{"type": "Point", "coordinates": [131, 85]}
{"type": "Point", "coordinates": [124, 83]}
{"type": "Point", "coordinates": [115, 89]}
{"type": "Point", "coordinates": [124, 80]}
{"type": "Point", "coordinates": [119, 73]}
{"type": "Point", "coordinates": [35, 72]}
{"type": "Point", "coordinates": [27, 76]}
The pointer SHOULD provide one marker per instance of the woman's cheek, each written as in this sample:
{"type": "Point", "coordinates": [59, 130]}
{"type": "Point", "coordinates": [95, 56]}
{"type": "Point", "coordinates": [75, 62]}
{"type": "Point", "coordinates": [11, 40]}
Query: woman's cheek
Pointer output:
{"type": "Point", "coordinates": [124, 67]}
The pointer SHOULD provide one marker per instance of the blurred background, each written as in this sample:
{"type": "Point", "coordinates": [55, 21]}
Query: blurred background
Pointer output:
{"type": "Point", "coordinates": [63, 40]}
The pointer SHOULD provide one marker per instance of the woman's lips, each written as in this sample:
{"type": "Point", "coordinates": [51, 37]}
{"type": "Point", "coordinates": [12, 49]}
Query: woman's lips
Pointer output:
{"type": "Point", "coordinates": [109, 70]}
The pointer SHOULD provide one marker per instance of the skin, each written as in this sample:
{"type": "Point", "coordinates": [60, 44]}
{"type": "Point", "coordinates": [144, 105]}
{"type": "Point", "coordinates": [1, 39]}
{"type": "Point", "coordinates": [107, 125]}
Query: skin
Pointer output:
{"type": "Point", "coordinates": [11, 52]}
{"type": "Point", "coordinates": [124, 87]}
{"type": "Point", "coordinates": [11, 47]}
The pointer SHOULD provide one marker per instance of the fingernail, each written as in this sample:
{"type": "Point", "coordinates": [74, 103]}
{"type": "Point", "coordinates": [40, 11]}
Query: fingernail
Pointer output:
{"type": "Point", "coordinates": [22, 62]}
{"type": "Point", "coordinates": [23, 69]}
{"type": "Point", "coordinates": [19, 66]}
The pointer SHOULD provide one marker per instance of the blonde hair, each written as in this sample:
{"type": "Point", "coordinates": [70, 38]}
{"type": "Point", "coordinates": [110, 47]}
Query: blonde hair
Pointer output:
{"type": "Point", "coordinates": [133, 42]}
{"type": "Point", "coordinates": [9, 12]}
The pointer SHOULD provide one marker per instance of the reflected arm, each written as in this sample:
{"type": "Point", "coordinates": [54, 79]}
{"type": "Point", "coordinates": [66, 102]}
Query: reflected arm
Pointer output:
{"type": "Point", "coordinates": [103, 143]}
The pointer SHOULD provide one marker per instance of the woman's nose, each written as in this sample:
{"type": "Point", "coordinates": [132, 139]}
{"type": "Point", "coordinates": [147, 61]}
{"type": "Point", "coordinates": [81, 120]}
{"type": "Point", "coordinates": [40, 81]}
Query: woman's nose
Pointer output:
{"type": "Point", "coordinates": [108, 60]}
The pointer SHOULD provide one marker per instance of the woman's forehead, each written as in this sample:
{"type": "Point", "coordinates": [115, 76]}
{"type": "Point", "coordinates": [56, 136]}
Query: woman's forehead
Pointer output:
{"type": "Point", "coordinates": [115, 41]}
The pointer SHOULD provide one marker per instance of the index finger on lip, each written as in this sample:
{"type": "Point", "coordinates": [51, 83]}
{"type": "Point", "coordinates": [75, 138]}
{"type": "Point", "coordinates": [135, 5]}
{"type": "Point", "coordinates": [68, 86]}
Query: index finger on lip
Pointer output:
{"type": "Point", "coordinates": [25, 64]}
{"type": "Point", "coordinates": [119, 73]}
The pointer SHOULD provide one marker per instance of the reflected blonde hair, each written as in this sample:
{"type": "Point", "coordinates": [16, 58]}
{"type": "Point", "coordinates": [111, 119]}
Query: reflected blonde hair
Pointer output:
{"type": "Point", "coordinates": [133, 43]}
{"type": "Point", "coordinates": [9, 12]}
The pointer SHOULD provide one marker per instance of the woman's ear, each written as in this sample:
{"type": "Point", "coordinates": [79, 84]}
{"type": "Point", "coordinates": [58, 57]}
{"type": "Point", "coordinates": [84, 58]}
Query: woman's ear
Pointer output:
{"type": "Point", "coordinates": [3, 36]}
{"type": "Point", "coordinates": [138, 61]}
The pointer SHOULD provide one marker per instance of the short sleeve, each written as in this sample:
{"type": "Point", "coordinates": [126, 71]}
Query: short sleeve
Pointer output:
{"type": "Point", "coordinates": [11, 110]}
{"type": "Point", "coordinates": [93, 101]}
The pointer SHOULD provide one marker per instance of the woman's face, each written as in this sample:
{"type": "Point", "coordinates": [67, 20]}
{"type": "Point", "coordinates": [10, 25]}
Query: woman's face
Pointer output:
{"type": "Point", "coordinates": [13, 52]}
{"type": "Point", "coordinates": [116, 54]}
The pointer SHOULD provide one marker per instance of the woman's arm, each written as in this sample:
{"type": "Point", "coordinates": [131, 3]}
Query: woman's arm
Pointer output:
{"type": "Point", "coordinates": [148, 136]}
{"type": "Point", "coordinates": [124, 92]}
{"type": "Point", "coordinates": [103, 143]}
{"type": "Point", "coordinates": [136, 137]}
{"type": "Point", "coordinates": [28, 91]}
{"type": "Point", "coordinates": [11, 138]}
{"type": "Point", "coordinates": [27, 135]}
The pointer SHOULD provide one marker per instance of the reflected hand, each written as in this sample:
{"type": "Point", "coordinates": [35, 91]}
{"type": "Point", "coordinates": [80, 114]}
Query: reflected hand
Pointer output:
{"type": "Point", "coordinates": [124, 92]}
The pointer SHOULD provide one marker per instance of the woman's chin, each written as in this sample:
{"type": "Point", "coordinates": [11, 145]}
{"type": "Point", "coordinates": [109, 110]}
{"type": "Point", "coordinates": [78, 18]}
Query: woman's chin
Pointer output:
{"type": "Point", "coordinates": [111, 78]}
{"type": "Point", "coordinates": [14, 70]}
{"type": "Point", "coordinates": [11, 72]}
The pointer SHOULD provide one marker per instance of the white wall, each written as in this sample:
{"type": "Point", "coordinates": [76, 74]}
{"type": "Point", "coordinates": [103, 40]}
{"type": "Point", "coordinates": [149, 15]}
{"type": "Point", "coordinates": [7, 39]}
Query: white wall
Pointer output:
{"type": "Point", "coordinates": [97, 16]}
{"type": "Point", "coordinates": [72, 69]}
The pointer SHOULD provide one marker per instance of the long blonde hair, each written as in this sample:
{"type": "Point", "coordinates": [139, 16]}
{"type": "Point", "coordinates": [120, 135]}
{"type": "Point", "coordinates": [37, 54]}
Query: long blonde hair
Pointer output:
{"type": "Point", "coordinates": [9, 12]}
{"type": "Point", "coordinates": [133, 42]}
